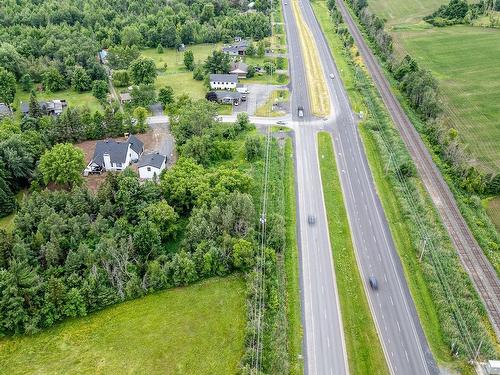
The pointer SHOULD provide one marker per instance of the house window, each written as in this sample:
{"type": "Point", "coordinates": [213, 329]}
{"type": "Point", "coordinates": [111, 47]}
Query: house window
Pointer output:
{"type": "Point", "coordinates": [149, 169]}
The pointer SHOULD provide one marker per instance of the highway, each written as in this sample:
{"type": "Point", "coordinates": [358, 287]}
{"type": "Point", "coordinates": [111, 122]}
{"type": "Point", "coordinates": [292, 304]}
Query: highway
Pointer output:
{"type": "Point", "coordinates": [324, 346]}
{"type": "Point", "coordinates": [473, 259]}
{"type": "Point", "coordinates": [396, 320]}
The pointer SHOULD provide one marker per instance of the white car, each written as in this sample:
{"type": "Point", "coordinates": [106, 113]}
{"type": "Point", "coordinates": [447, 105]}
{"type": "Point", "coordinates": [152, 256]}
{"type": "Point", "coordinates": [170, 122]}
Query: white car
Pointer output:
{"type": "Point", "coordinates": [332, 76]}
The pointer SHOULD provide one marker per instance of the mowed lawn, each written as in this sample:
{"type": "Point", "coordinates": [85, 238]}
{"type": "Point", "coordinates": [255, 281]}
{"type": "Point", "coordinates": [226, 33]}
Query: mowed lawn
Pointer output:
{"type": "Point", "coordinates": [193, 330]}
{"type": "Point", "coordinates": [176, 75]}
{"type": "Point", "coordinates": [74, 99]}
{"type": "Point", "coordinates": [465, 60]}
{"type": "Point", "coordinates": [397, 12]}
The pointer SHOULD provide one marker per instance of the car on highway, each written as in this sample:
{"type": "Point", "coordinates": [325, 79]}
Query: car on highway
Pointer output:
{"type": "Point", "coordinates": [286, 3]}
{"type": "Point", "coordinates": [281, 122]}
{"type": "Point", "coordinates": [373, 282]}
{"type": "Point", "coordinates": [300, 111]}
{"type": "Point", "coordinates": [311, 219]}
{"type": "Point", "coordinates": [332, 76]}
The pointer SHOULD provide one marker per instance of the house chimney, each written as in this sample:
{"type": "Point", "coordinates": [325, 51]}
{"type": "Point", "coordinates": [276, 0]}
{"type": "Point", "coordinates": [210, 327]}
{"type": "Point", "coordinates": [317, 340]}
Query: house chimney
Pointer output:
{"type": "Point", "coordinates": [107, 161]}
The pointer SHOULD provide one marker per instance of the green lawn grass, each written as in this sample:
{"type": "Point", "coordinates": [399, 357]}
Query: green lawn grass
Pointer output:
{"type": "Point", "coordinates": [74, 99]}
{"type": "Point", "coordinates": [292, 267]}
{"type": "Point", "coordinates": [464, 59]}
{"type": "Point", "coordinates": [193, 330]}
{"type": "Point", "coordinates": [176, 75]}
{"type": "Point", "coordinates": [175, 59]}
{"type": "Point", "coordinates": [182, 83]}
{"type": "Point", "coordinates": [364, 350]}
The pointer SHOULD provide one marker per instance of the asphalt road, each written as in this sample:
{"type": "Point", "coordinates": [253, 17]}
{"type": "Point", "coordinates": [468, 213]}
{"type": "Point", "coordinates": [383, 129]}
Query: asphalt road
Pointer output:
{"type": "Point", "coordinates": [475, 262]}
{"type": "Point", "coordinates": [403, 341]}
{"type": "Point", "coordinates": [324, 346]}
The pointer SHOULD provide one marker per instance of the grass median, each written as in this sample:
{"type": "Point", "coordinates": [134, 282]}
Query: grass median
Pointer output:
{"type": "Point", "coordinates": [364, 350]}
{"type": "Point", "coordinates": [318, 91]}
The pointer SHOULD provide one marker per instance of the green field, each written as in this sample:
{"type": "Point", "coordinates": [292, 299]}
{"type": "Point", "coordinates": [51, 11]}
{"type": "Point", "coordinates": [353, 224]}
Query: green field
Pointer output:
{"type": "Point", "coordinates": [193, 330]}
{"type": "Point", "coordinates": [364, 351]}
{"type": "Point", "coordinates": [465, 61]}
{"type": "Point", "coordinates": [404, 11]}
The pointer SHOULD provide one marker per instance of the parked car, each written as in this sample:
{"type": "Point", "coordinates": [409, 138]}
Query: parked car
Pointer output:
{"type": "Point", "coordinates": [281, 122]}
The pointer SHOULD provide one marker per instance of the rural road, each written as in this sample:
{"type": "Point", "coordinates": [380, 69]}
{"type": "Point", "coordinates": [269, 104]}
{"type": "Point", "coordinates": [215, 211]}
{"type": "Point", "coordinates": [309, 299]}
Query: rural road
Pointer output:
{"type": "Point", "coordinates": [404, 344]}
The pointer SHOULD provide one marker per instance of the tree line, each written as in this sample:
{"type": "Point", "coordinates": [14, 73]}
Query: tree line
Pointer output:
{"type": "Point", "coordinates": [460, 12]}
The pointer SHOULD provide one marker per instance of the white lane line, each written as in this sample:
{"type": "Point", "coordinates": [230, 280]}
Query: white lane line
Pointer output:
{"type": "Point", "coordinates": [399, 328]}
{"type": "Point", "coordinates": [406, 353]}
{"type": "Point", "coordinates": [392, 302]}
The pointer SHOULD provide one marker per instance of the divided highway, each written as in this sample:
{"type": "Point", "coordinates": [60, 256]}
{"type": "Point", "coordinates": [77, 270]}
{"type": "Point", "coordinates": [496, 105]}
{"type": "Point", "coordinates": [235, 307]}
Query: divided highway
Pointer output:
{"type": "Point", "coordinates": [392, 307]}
{"type": "Point", "coordinates": [324, 347]}
{"type": "Point", "coordinates": [473, 259]}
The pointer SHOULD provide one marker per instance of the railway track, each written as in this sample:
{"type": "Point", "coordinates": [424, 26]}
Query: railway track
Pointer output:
{"type": "Point", "coordinates": [471, 255]}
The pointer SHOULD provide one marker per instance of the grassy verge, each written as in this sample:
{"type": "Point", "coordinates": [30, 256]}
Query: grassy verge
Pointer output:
{"type": "Point", "coordinates": [192, 330]}
{"type": "Point", "coordinates": [318, 92]}
{"type": "Point", "coordinates": [292, 267]}
{"type": "Point", "coordinates": [363, 346]}
{"type": "Point", "coordinates": [266, 109]}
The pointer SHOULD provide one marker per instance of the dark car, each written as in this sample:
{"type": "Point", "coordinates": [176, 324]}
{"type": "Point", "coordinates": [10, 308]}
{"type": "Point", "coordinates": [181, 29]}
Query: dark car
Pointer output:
{"type": "Point", "coordinates": [373, 282]}
{"type": "Point", "coordinates": [311, 219]}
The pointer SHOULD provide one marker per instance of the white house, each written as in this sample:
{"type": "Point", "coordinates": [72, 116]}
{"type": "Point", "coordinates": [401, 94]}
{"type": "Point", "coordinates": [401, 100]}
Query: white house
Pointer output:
{"type": "Point", "coordinates": [110, 155]}
{"type": "Point", "coordinates": [223, 81]}
{"type": "Point", "coordinates": [151, 165]}
{"type": "Point", "coordinates": [136, 147]}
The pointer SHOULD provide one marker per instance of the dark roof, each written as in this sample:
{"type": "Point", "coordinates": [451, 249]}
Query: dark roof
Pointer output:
{"type": "Point", "coordinates": [5, 110]}
{"type": "Point", "coordinates": [117, 151]}
{"type": "Point", "coordinates": [25, 107]}
{"type": "Point", "coordinates": [224, 78]}
{"type": "Point", "coordinates": [151, 160]}
{"type": "Point", "coordinates": [135, 144]}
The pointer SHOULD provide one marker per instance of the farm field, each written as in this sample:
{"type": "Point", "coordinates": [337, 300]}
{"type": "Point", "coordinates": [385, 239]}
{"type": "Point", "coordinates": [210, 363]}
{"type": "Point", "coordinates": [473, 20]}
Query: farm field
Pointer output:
{"type": "Point", "coordinates": [464, 60]}
{"type": "Point", "coordinates": [493, 210]}
{"type": "Point", "coordinates": [404, 11]}
{"type": "Point", "coordinates": [193, 330]}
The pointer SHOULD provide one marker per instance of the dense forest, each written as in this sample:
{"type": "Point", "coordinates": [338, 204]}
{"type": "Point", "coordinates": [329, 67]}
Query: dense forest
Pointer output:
{"type": "Point", "coordinates": [49, 42]}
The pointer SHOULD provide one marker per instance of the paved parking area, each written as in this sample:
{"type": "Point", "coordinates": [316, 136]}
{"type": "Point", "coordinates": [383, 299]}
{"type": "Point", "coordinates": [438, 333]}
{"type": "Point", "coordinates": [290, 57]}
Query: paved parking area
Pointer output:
{"type": "Point", "coordinates": [257, 96]}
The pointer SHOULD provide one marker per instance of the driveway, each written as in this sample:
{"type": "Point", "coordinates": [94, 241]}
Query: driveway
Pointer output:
{"type": "Point", "coordinates": [258, 94]}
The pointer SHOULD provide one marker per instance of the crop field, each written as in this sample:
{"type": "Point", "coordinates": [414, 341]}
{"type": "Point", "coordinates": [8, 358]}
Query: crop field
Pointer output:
{"type": "Point", "coordinates": [193, 330]}
{"type": "Point", "coordinates": [465, 61]}
{"type": "Point", "coordinates": [397, 12]}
